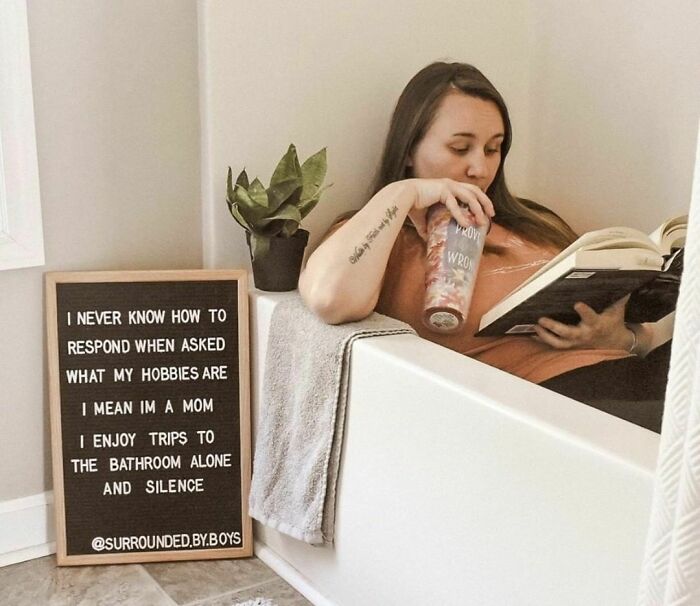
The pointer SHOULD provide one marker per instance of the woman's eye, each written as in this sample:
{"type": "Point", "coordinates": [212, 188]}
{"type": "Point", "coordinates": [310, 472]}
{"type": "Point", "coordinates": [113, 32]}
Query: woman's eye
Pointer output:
{"type": "Point", "coordinates": [462, 150]}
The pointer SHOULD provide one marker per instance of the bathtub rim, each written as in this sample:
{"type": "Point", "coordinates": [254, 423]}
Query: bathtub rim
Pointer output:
{"type": "Point", "coordinates": [560, 416]}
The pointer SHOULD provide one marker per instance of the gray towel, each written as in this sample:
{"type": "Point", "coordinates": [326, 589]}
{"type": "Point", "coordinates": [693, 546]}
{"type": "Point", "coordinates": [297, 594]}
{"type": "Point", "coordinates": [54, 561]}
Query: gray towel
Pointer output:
{"type": "Point", "coordinates": [302, 413]}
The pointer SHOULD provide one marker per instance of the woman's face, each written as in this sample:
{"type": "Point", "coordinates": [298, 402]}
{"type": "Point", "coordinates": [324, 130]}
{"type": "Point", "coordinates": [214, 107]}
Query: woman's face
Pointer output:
{"type": "Point", "coordinates": [463, 143]}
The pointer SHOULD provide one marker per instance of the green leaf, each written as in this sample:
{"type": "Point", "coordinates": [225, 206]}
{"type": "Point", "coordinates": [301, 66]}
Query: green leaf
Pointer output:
{"type": "Point", "coordinates": [285, 180]}
{"type": "Point", "coordinates": [283, 222]}
{"type": "Point", "coordinates": [243, 180]}
{"type": "Point", "coordinates": [289, 228]}
{"type": "Point", "coordinates": [239, 218]}
{"type": "Point", "coordinates": [306, 206]}
{"type": "Point", "coordinates": [257, 193]}
{"type": "Point", "coordinates": [251, 210]}
{"type": "Point", "coordinates": [259, 246]}
{"type": "Point", "coordinates": [313, 172]}
{"type": "Point", "coordinates": [288, 168]}
{"type": "Point", "coordinates": [287, 211]}
{"type": "Point", "coordinates": [231, 200]}
{"type": "Point", "coordinates": [281, 227]}
{"type": "Point", "coordinates": [285, 193]}
{"type": "Point", "coordinates": [229, 187]}
{"type": "Point", "coordinates": [294, 191]}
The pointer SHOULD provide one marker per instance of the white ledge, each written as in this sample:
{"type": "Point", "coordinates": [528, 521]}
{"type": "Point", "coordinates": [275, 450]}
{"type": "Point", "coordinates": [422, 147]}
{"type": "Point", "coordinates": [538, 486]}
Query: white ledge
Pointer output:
{"type": "Point", "coordinates": [520, 399]}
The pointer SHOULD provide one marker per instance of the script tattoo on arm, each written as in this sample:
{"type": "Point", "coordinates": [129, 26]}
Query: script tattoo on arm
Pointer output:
{"type": "Point", "coordinates": [389, 216]}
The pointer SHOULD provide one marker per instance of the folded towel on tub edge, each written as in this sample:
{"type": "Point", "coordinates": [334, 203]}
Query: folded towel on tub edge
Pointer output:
{"type": "Point", "coordinates": [302, 416]}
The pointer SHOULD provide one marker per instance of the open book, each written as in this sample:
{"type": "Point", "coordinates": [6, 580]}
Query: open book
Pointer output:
{"type": "Point", "coordinates": [599, 268]}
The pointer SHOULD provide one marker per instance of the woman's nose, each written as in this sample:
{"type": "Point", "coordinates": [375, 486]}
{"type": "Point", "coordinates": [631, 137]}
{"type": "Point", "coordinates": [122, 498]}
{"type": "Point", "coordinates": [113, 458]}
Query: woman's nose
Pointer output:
{"type": "Point", "coordinates": [476, 166]}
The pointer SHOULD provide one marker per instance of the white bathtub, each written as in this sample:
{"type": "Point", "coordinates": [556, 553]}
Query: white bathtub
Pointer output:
{"type": "Point", "coordinates": [461, 484]}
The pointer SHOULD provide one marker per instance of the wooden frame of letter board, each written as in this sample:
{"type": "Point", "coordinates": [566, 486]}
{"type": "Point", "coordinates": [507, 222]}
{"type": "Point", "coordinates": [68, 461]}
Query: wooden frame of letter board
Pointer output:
{"type": "Point", "coordinates": [54, 278]}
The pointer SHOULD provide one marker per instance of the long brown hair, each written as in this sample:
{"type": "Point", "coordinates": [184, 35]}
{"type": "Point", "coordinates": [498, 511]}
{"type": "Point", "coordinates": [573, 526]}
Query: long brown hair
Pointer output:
{"type": "Point", "coordinates": [413, 116]}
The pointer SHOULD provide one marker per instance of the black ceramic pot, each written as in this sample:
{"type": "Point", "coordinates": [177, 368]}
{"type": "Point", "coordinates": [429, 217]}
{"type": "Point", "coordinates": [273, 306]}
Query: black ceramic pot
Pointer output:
{"type": "Point", "coordinates": [279, 269]}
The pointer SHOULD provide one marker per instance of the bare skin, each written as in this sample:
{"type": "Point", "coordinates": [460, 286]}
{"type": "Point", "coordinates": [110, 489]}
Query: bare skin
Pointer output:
{"type": "Point", "coordinates": [455, 162]}
{"type": "Point", "coordinates": [606, 330]}
{"type": "Point", "coordinates": [342, 285]}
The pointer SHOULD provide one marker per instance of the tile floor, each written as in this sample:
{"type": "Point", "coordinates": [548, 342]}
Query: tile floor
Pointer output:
{"type": "Point", "coordinates": [204, 583]}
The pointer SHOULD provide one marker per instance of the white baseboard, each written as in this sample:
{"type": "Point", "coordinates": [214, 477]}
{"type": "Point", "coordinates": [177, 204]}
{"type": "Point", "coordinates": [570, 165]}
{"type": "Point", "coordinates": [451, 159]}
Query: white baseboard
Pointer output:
{"type": "Point", "coordinates": [26, 528]}
{"type": "Point", "coordinates": [291, 575]}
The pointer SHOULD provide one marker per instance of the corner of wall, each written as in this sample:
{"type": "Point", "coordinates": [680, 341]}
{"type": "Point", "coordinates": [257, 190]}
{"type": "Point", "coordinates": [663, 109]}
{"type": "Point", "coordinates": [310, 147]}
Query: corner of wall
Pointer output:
{"type": "Point", "coordinates": [207, 196]}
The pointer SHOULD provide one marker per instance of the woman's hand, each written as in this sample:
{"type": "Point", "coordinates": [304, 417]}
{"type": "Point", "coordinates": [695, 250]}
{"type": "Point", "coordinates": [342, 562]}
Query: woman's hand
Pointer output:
{"type": "Point", "coordinates": [450, 193]}
{"type": "Point", "coordinates": [605, 330]}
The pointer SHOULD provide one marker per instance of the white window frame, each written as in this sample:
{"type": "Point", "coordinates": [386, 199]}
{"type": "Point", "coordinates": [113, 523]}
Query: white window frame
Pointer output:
{"type": "Point", "coordinates": [21, 233]}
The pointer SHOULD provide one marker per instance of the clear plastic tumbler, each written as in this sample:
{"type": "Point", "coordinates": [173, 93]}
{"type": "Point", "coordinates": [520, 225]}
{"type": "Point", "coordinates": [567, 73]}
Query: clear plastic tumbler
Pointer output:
{"type": "Point", "coordinates": [452, 261]}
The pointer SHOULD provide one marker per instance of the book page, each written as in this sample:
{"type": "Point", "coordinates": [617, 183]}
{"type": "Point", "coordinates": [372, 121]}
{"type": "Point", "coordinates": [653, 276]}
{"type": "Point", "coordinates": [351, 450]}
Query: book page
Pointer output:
{"type": "Point", "coordinates": [610, 238]}
{"type": "Point", "coordinates": [670, 234]}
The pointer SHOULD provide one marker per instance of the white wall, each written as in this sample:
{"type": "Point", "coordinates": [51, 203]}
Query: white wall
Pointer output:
{"type": "Point", "coordinates": [603, 97]}
{"type": "Point", "coordinates": [117, 123]}
{"type": "Point", "coordinates": [615, 112]}
{"type": "Point", "coordinates": [329, 74]}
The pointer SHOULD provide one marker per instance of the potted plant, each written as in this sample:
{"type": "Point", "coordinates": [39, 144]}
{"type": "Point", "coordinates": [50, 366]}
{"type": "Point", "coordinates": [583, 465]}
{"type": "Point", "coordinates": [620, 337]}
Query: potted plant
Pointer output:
{"type": "Point", "coordinates": [272, 216]}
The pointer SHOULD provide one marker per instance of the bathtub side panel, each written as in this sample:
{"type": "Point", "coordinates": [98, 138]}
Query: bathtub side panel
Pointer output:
{"type": "Point", "coordinates": [445, 498]}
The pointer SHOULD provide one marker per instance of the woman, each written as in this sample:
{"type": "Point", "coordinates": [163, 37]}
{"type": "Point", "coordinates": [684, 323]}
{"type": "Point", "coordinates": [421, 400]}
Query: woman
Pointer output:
{"type": "Point", "coordinates": [448, 139]}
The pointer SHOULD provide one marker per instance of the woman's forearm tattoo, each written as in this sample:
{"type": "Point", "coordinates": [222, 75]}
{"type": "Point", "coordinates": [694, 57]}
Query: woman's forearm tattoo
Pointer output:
{"type": "Point", "coordinates": [389, 216]}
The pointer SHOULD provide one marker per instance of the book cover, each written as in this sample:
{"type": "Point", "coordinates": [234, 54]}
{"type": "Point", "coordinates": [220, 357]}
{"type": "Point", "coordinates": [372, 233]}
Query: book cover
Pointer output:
{"type": "Point", "coordinates": [596, 287]}
{"type": "Point", "coordinates": [599, 268]}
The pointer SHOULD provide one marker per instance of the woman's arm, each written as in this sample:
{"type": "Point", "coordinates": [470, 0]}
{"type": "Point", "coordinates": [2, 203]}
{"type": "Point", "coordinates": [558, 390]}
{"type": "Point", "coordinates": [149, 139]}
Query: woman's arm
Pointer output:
{"type": "Point", "coordinates": [342, 278]}
{"type": "Point", "coordinates": [651, 335]}
{"type": "Point", "coordinates": [642, 339]}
